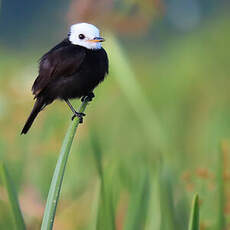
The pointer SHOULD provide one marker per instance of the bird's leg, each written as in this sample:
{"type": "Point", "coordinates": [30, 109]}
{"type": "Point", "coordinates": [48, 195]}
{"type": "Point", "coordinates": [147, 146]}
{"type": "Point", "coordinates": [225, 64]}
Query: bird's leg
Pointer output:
{"type": "Point", "coordinates": [88, 97]}
{"type": "Point", "coordinates": [42, 108]}
{"type": "Point", "coordinates": [76, 114]}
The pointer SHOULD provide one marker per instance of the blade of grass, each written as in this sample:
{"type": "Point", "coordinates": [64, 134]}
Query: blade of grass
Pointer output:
{"type": "Point", "coordinates": [55, 187]}
{"type": "Point", "coordinates": [137, 210]}
{"type": "Point", "coordinates": [98, 155]}
{"type": "Point", "coordinates": [154, 212]}
{"type": "Point", "coordinates": [127, 80]}
{"type": "Point", "coordinates": [12, 195]}
{"type": "Point", "coordinates": [106, 208]}
{"type": "Point", "coordinates": [167, 207]}
{"type": "Point", "coordinates": [220, 186]}
{"type": "Point", "coordinates": [194, 216]}
{"type": "Point", "coordinates": [95, 207]}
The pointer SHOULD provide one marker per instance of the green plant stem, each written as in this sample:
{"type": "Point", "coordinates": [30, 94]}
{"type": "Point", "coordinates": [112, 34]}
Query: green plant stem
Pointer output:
{"type": "Point", "coordinates": [194, 215]}
{"type": "Point", "coordinates": [55, 187]}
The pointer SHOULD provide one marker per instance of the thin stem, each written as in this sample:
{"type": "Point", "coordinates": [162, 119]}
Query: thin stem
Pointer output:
{"type": "Point", "coordinates": [56, 183]}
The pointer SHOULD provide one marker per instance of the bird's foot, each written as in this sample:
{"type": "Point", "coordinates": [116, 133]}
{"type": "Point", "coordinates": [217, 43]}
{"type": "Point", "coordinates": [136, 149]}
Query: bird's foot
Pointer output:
{"type": "Point", "coordinates": [88, 97]}
{"type": "Point", "coordinates": [79, 115]}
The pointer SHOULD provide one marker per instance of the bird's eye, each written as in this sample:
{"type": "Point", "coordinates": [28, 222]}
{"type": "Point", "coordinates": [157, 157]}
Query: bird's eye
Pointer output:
{"type": "Point", "coordinates": [81, 36]}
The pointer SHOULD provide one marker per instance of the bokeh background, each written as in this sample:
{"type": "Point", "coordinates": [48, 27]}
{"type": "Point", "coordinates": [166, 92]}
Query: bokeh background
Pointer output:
{"type": "Point", "coordinates": [157, 131]}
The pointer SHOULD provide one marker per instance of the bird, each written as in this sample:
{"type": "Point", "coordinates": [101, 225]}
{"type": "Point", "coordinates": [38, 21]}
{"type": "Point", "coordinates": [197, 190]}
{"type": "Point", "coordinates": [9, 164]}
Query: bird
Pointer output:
{"type": "Point", "coordinates": [71, 69]}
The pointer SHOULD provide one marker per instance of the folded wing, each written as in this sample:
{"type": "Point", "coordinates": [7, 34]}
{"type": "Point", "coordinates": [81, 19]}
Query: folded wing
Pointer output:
{"type": "Point", "coordinates": [61, 61]}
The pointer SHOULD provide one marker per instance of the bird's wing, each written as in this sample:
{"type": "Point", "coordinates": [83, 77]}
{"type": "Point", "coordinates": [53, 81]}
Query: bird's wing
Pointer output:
{"type": "Point", "coordinates": [61, 61]}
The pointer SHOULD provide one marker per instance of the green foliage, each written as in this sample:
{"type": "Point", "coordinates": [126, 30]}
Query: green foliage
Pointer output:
{"type": "Point", "coordinates": [13, 200]}
{"type": "Point", "coordinates": [128, 82]}
{"type": "Point", "coordinates": [138, 205]}
{"type": "Point", "coordinates": [220, 188]}
{"type": "Point", "coordinates": [194, 216]}
{"type": "Point", "coordinates": [55, 187]}
{"type": "Point", "coordinates": [106, 207]}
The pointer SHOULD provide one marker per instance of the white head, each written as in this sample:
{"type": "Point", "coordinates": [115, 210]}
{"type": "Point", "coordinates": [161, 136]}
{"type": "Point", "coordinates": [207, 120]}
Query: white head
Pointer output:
{"type": "Point", "coordinates": [86, 35]}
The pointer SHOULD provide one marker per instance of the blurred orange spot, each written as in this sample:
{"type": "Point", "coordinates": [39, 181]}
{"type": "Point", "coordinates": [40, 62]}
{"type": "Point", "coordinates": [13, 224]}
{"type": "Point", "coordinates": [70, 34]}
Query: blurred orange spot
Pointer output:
{"type": "Point", "coordinates": [190, 187]}
{"type": "Point", "coordinates": [203, 226]}
{"type": "Point", "coordinates": [226, 175]}
{"type": "Point", "coordinates": [203, 173]}
{"type": "Point", "coordinates": [186, 176]}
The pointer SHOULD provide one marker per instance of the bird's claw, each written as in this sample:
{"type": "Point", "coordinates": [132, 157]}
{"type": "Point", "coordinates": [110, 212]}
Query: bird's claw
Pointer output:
{"type": "Point", "coordinates": [79, 115]}
{"type": "Point", "coordinates": [88, 97]}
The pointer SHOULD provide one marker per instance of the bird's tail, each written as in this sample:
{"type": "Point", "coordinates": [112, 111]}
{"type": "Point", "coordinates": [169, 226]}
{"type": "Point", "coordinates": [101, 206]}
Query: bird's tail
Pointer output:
{"type": "Point", "coordinates": [38, 105]}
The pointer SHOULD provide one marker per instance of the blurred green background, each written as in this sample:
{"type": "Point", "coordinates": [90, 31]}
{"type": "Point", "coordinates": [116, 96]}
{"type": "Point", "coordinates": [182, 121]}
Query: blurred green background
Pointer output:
{"type": "Point", "coordinates": [157, 131]}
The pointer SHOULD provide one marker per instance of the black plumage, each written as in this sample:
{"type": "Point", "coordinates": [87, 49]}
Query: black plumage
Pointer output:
{"type": "Point", "coordinates": [67, 71]}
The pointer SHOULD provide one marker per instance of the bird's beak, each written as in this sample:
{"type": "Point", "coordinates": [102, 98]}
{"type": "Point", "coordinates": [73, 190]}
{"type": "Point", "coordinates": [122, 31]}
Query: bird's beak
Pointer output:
{"type": "Point", "coordinates": [97, 39]}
